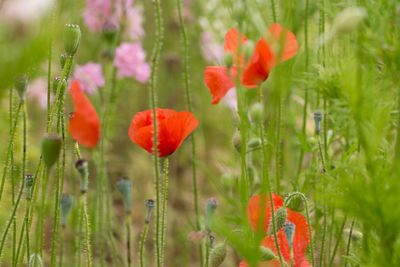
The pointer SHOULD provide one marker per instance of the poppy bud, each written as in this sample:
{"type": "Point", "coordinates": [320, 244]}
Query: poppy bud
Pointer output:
{"type": "Point", "coordinates": [280, 219]}
{"type": "Point", "coordinates": [348, 20]}
{"type": "Point", "coordinates": [66, 202]}
{"type": "Point", "coordinates": [289, 229]}
{"type": "Point", "coordinates": [21, 85]}
{"type": "Point", "coordinates": [211, 206]}
{"type": "Point", "coordinates": [35, 260]}
{"type": "Point", "coordinates": [236, 140]}
{"type": "Point", "coordinates": [217, 255]}
{"type": "Point", "coordinates": [317, 120]}
{"type": "Point", "coordinates": [57, 81]}
{"type": "Point", "coordinates": [72, 38]}
{"type": "Point", "coordinates": [149, 208]}
{"type": "Point", "coordinates": [256, 113]}
{"type": "Point", "coordinates": [51, 146]}
{"type": "Point", "coordinates": [28, 185]}
{"type": "Point", "coordinates": [124, 186]}
{"type": "Point", "coordinates": [82, 167]}
{"type": "Point", "coordinates": [109, 31]}
{"type": "Point", "coordinates": [267, 254]}
{"type": "Point", "coordinates": [248, 49]}
{"type": "Point", "coordinates": [254, 143]}
{"type": "Point", "coordinates": [228, 179]}
{"type": "Point", "coordinates": [228, 58]}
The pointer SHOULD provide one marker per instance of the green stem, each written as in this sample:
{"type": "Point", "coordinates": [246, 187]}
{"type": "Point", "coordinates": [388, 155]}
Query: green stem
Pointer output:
{"type": "Point", "coordinates": [128, 239]}
{"type": "Point", "coordinates": [349, 243]}
{"type": "Point", "coordinates": [87, 229]}
{"type": "Point", "coordinates": [274, 17]}
{"type": "Point", "coordinates": [164, 208]}
{"type": "Point", "coordinates": [12, 172]}
{"type": "Point", "coordinates": [338, 240]}
{"type": "Point", "coordinates": [142, 243]}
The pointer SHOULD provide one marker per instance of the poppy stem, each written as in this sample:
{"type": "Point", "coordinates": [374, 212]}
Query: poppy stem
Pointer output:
{"type": "Point", "coordinates": [349, 243]}
{"type": "Point", "coordinates": [85, 217]}
{"type": "Point", "coordinates": [273, 8]}
{"type": "Point", "coordinates": [143, 238]}
{"type": "Point", "coordinates": [11, 95]}
{"type": "Point", "coordinates": [338, 240]}
{"type": "Point", "coordinates": [128, 239]}
{"type": "Point", "coordinates": [164, 208]}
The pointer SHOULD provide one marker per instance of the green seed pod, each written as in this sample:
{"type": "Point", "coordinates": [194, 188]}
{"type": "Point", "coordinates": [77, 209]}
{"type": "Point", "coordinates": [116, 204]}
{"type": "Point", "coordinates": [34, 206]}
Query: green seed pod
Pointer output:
{"type": "Point", "coordinates": [236, 140]}
{"type": "Point", "coordinates": [124, 186]}
{"type": "Point", "coordinates": [256, 113]}
{"type": "Point", "coordinates": [267, 254]}
{"type": "Point", "coordinates": [51, 146]}
{"type": "Point", "coordinates": [217, 255]}
{"type": "Point", "coordinates": [82, 167]}
{"type": "Point", "coordinates": [248, 49]}
{"type": "Point", "coordinates": [254, 143]}
{"type": "Point", "coordinates": [72, 38]}
{"type": "Point", "coordinates": [28, 186]}
{"type": "Point", "coordinates": [66, 202]}
{"type": "Point", "coordinates": [280, 219]}
{"type": "Point", "coordinates": [21, 85]}
{"type": "Point", "coordinates": [228, 58]}
{"type": "Point", "coordinates": [317, 120]}
{"type": "Point", "coordinates": [35, 260]}
{"type": "Point", "coordinates": [149, 208]}
{"type": "Point", "coordinates": [56, 82]}
{"type": "Point", "coordinates": [110, 31]}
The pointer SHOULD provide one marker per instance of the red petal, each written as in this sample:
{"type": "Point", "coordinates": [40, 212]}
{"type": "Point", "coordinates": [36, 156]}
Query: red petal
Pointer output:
{"type": "Point", "coordinates": [84, 124]}
{"type": "Point", "coordinates": [301, 237]}
{"type": "Point", "coordinates": [218, 82]}
{"type": "Point", "coordinates": [232, 40]}
{"type": "Point", "coordinates": [269, 242]}
{"type": "Point", "coordinates": [290, 46]}
{"type": "Point", "coordinates": [254, 209]}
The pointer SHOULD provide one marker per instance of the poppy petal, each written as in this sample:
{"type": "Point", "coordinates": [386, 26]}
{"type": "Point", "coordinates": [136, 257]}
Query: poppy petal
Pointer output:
{"type": "Point", "coordinates": [84, 124]}
{"type": "Point", "coordinates": [218, 82]}
{"type": "Point", "coordinates": [232, 40]}
{"type": "Point", "coordinates": [269, 242]}
{"type": "Point", "coordinates": [301, 236]}
{"type": "Point", "coordinates": [254, 209]}
{"type": "Point", "coordinates": [290, 46]}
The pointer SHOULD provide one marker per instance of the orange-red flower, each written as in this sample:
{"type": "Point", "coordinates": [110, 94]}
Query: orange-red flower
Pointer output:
{"type": "Point", "coordinates": [220, 79]}
{"type": "Point", "coordinates": [84, 124]}
{"type": "Point", "coordinates": [296, 222]}
{"type": "Point", "coordinates": [172, 129]}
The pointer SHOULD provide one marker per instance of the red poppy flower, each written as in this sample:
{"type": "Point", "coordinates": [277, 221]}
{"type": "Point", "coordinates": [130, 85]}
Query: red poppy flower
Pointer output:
{"type": "Point", "coordinates": [220, 80]}
{"type": "Point", "coordinates": [301, 237]}
{"type": "Point", "coordinates": [84, 124]}
{"type": "Point", "coordinates": [172, 129]}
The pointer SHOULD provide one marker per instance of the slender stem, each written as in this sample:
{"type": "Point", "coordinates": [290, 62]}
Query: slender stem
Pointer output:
{"type": "Point", "coordinates": [128, 239]}
{"type": "Point", "coordinates": [164, 208]}
{"type": "Point", "coordinates": [142, 243]}
{"type": "Point", "coordinates": [274, 17]}
{"type": "Point", "coordinates": [348, 243]}
{"type": "Point", "coordinates": [61, 252]}
{"type": "Point", "coordinates": [338, 240]}
{"type": "Point", "coordinates": [278, 159]}
{"type": "Point", "coordinates": [85, 217]}
{"type": "Point", "coordinates": [12, 171]}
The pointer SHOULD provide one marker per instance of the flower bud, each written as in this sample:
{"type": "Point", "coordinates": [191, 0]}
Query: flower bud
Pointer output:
{"type": "Point", "coordinates": [228, 58]}
{"type": "Point", "coordinates": [254, 143]}
{"type": "Point", "coordinates": [149, 208]}
{"type": "Point", "coordinates": [248, 49]}
{"type": "Point", "coordinates": [280, 219]}
{"type": "Point", "coordinates": [35, 260]}
{"type": "Point", "coordinates": [82, 167]}
{"type": "Point", "coordinates": [66, 202]}
{"type": "Point", "coordinates": [289, 229]}
{"type": "Point", "coordinates": [124, 186]}
{"type": "Point", "coordinates": [256, 113]}
{"type": "Point", "coordinates": [110, 30]}
{"type": "Point", "coordinates": [348, 20]}
{"type": "Point", "coordinates": [229, 179]}
{"type": "Point", "coordinates": [21, 85]}
{"type": "Point", "coordinates": [63, 86]}
{"type": "Point", "coordinates": [51, 146]}
{"type": "Point", "coordinates": [236, 140]}
{"type": "Point", "coordinates": [267, 254]}
{"type": "Point", "coordinates": [28, 186]}
{"type": "Point", "coordinates": [72, 38]}
{"type": "Point", "coordinates": [217, 255]}
{"type": "Point", "coordinates": [211, 206]}
{"type": "Point", "coordinates": [317, 120]}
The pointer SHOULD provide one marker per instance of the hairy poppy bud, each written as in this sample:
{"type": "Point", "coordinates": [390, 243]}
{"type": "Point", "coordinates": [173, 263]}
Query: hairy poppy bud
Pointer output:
{"type": "Point", "coordinates": [109, 31]}
{"type": "Point", "coordinates": [63, 85]}
{"type": "Point", "coordinates": [228, 58]}
{"type": "Point", "coordinates": [124, 186]}
{"type": "Point", "coordinates": [217, 255]}
{"type": "Point", "coordinates": [211, 206]}
{"type": "Point", "coordinates": [28, 186]}
{"type": "Point", "coordinates": [236, 140]}
{"type": "Point", "coordinates": [317, 120]}
{"type": "Point", "coordinates": [21, 85]}
{"type": "Point", "coordinates": [248, 49]}
{"type": "Point", "coordinates": [256, 113]}
{"type": "Point", "coordinates": [280, 219]}
{"type": "Point", "coordinates": [35, 260]}
{"type": "Point", "coordinates": [51, 146]}
{"type": "Point", "coordinates": [72, 38]}
{"type": "Point", "coordinates": [254, 143]}
{"type": "Point", "coordinates": [149, 208]}
{"type": "Point", "coordinates": [267, 254]}
{"type": "Point", "coordinates": [348, 20]}
{"type": "Point", "coordinates": [82, 167]}
{"type": "Point", "coordinates": [66, 202]}
{"type": "Point", "coordinates": [289, 229]}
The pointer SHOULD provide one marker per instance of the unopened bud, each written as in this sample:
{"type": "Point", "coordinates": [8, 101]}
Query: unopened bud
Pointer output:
{"type": "Point", "coordinates": [256, 113]}
{"type": "Point", "coordinates": [280, 219]}
{"type": "Point", "coordinates": [51, 147]}
{"type": "Point", "coordinates": [348, 20]}
{"type": "Point", "coordinates": [217, 255]}
{"type": "Point", "coordinates": [21, 85]}
{"type": "Point", "coordinates": [82, 167]}
{"type": "Point", "coordinates": [317, 120]}
{"type": "Point", "coordinates": [228, 58]}
{"type": "Point", "coordinates": [248, 49]}
{"type": "Point", "coordinates": [254, 143]}
{"type": "Point", "coordinates": [124, 186]}
{"type": "Point", "coordinates": [149, 208]}
{"type": "Point", "coordinates": [72, 38]}
{"type": "Point", "coordinates": [229, 179]}
{"type": "Point", "coordinates": [28, 186]}
{"type": "Point", "coordinates": [66, 202]}
{"type": "Point", "coordinates": [267, 254]}
{"type": "Point", "coordinates": [236, 140]}
{"type": "Point", "coordinates": [110, 30]}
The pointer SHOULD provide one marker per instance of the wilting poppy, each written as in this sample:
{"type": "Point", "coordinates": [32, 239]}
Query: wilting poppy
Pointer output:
{"type": "Point", "coordinates": [84, 124]}
{"type": "Point", "coordinates": [220, 79]}
{"type": "Point", "coordinates": [172, 129]}
{"type": "Point", "coordinates": [293, 236]}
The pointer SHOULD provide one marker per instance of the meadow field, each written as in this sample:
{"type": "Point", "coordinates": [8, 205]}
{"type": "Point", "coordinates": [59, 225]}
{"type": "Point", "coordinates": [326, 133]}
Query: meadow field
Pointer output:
{"type": "Point", "coordinates": [232, 133]}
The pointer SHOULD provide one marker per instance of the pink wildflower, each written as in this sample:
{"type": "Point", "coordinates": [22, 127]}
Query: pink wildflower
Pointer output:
{"type": "Point", "coordinates": [90, 76]}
